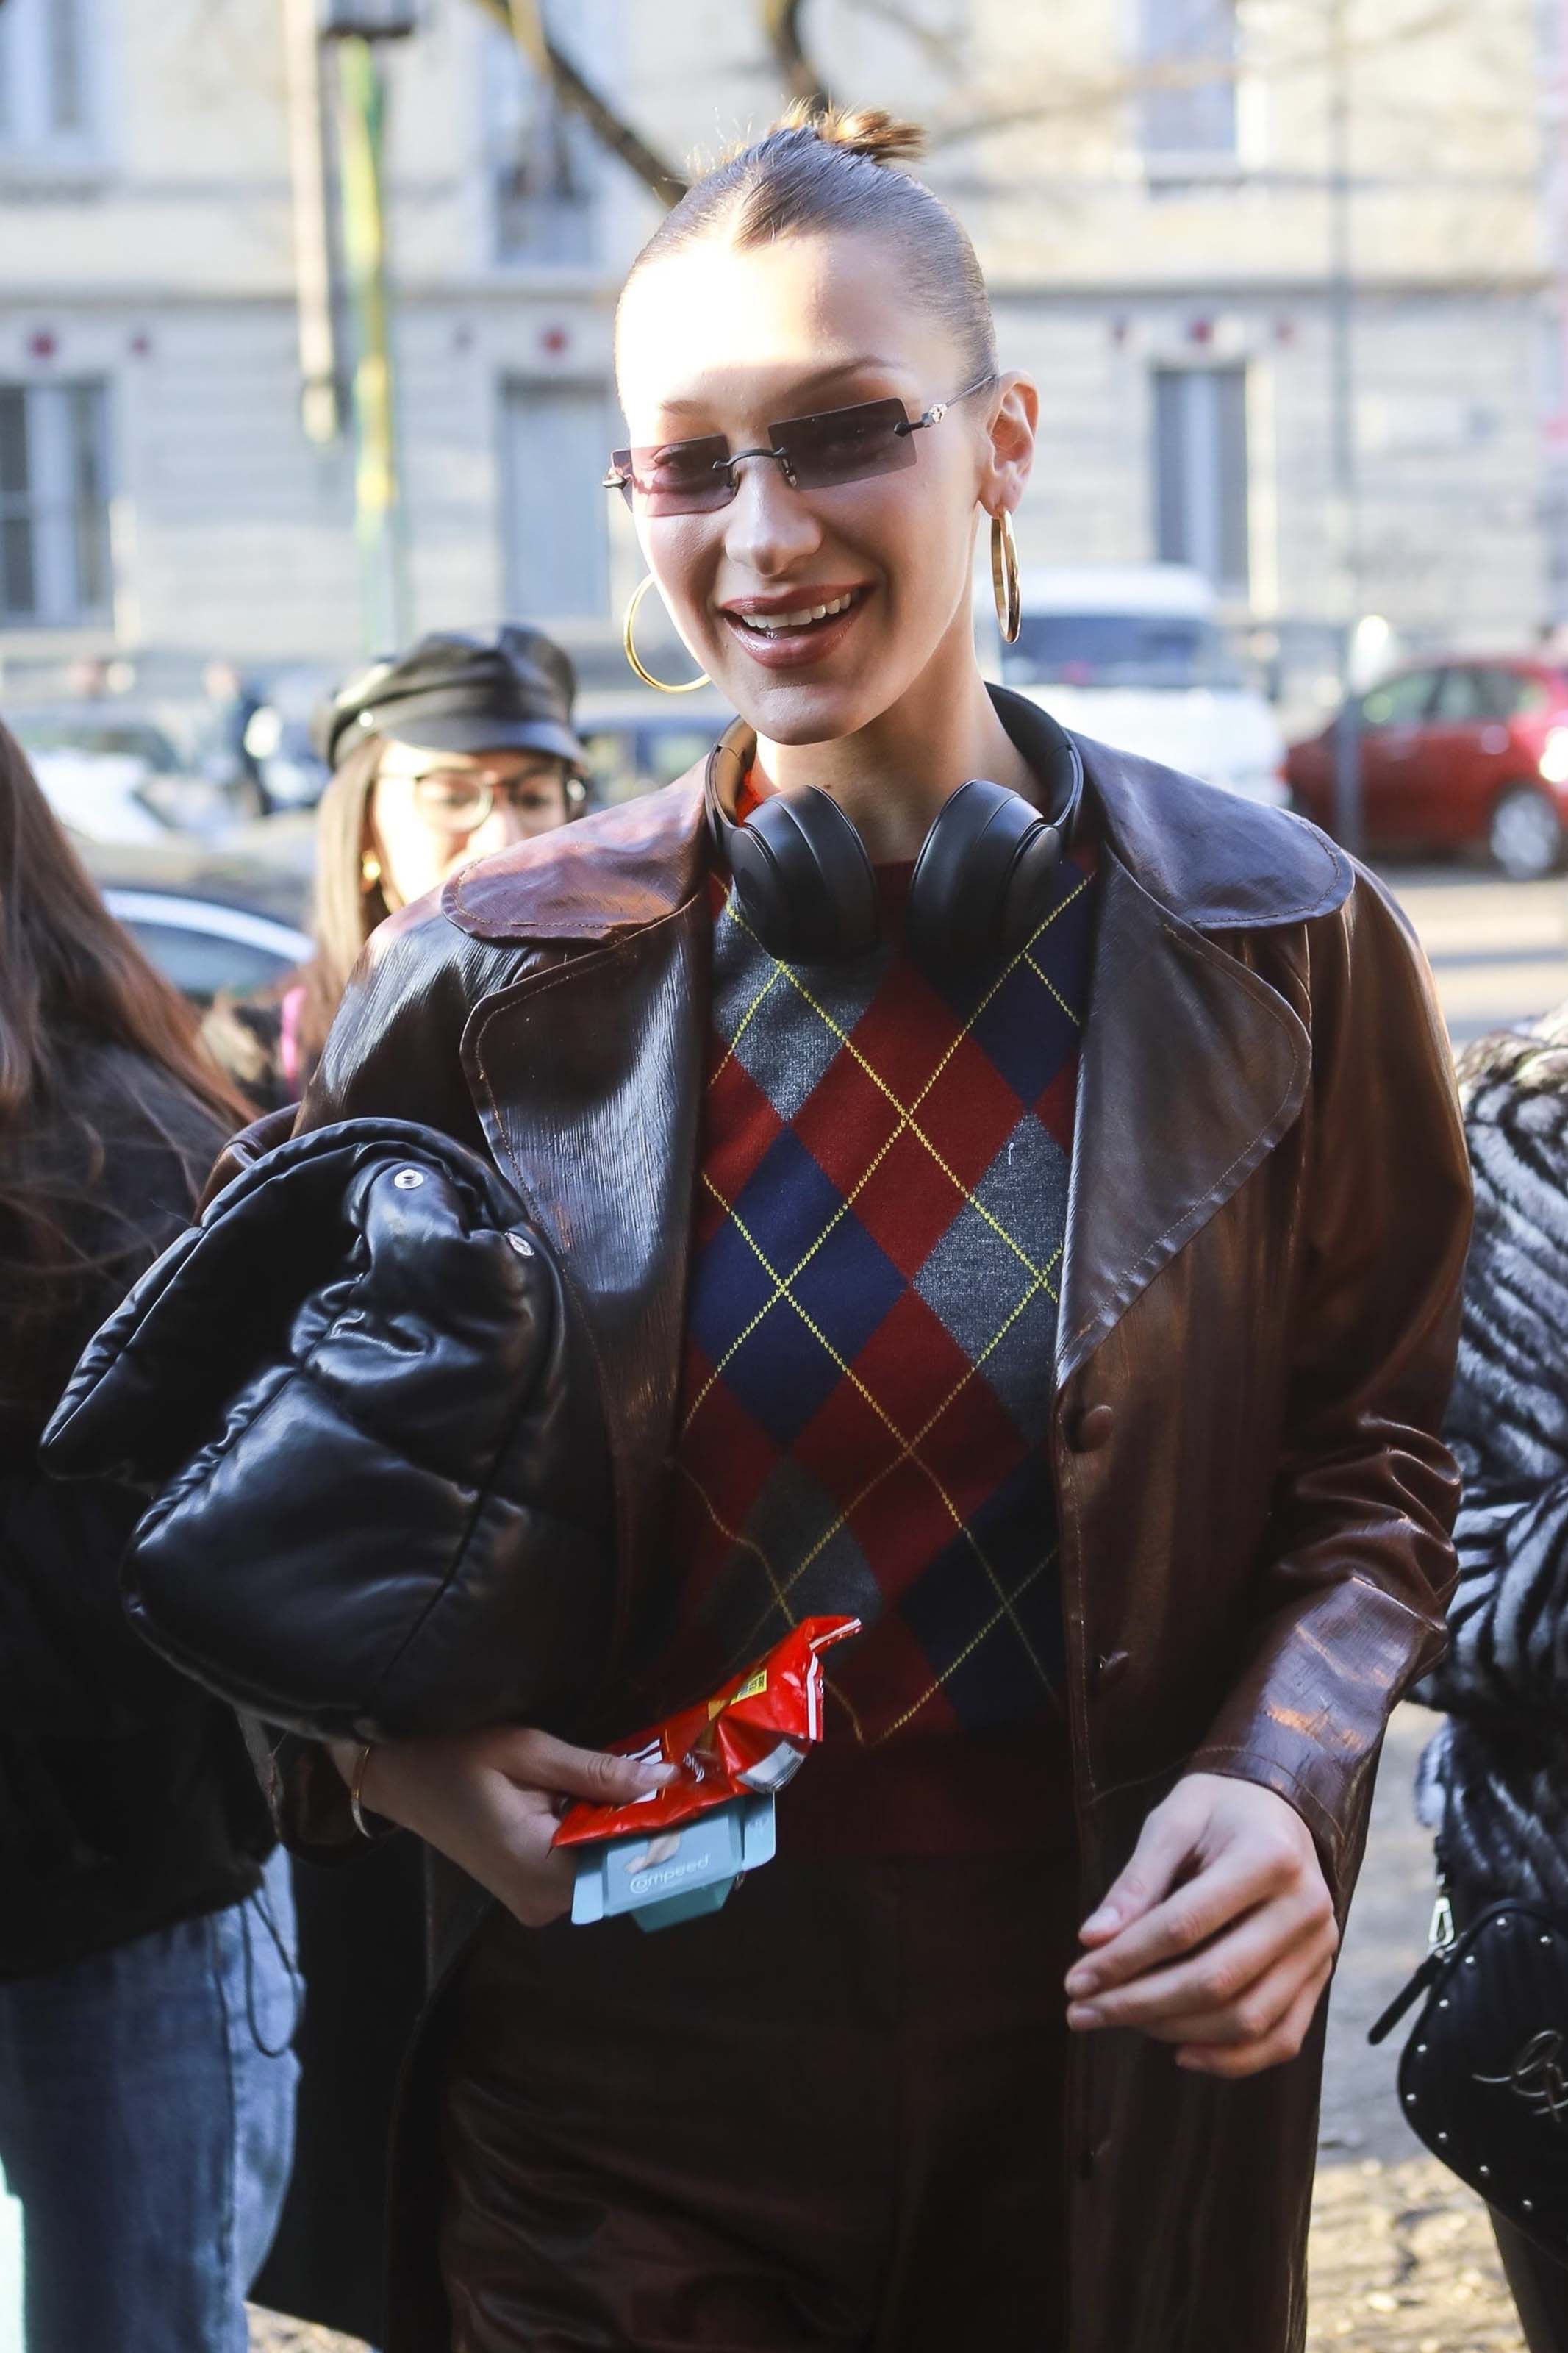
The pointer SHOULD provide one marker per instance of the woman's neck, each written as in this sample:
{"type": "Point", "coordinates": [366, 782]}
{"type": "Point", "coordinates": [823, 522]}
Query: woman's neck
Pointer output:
{"type": "Point", "coordinates": [891, 777]}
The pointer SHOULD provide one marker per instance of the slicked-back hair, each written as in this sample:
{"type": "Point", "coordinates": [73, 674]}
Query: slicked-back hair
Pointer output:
{"type": "Point", "coordinates": [818, 170]}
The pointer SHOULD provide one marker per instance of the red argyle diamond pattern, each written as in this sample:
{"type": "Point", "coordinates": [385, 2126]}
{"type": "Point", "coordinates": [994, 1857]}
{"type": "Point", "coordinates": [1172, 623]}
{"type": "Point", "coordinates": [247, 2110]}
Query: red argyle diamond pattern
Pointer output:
{"type": "Point", "coordinates": [871, 1320]}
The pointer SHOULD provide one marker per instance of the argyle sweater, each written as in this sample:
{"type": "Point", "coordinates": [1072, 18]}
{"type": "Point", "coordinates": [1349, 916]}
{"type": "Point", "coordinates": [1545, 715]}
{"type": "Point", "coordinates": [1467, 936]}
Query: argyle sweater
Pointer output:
{"type": "Point", "coordinates": [867, 1381]}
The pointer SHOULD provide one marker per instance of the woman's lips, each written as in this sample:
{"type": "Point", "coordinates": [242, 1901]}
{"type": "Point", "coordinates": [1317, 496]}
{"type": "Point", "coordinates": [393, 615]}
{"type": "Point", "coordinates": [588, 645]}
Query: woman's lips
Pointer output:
{"type": "Point", "coordinates": [795, 649]}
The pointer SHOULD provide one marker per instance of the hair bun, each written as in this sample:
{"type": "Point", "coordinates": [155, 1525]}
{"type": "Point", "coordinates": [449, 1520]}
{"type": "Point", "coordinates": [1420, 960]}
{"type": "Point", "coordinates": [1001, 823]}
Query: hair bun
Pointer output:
{"type": "Point", "coordinates": [868, 130]}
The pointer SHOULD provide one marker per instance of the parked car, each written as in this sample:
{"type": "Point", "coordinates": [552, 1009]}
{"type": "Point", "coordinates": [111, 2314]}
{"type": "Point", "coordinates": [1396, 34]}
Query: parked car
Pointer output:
{"type": "Point", "coordinates": [1135, 655]}
{"type": "Point", "coordinates": [231, 919]}
{"type": "Point", "coordinates": [114, 774]}
{"type": "Point", "coordinates": [1455, 754]}
{"type": "Point", "coordinates": [636, 743]}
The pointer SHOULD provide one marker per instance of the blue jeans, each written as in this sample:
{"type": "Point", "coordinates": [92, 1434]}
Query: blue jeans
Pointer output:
{"type": "Point", "coordinates": [147, 2127]}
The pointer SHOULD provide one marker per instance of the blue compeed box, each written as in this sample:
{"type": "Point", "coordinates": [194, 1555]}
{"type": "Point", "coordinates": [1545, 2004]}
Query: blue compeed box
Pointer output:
{"type": "Point", "coordinates": [676, 1875]}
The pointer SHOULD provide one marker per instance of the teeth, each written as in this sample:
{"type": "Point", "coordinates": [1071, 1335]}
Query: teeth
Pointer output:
{"type": "Point", "coordinates": [770, 624]}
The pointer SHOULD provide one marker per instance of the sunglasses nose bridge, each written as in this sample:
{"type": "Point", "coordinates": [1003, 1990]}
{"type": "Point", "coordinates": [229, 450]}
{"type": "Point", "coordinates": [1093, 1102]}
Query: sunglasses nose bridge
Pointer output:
{"type": "Point", "coordinates": [779, 457]}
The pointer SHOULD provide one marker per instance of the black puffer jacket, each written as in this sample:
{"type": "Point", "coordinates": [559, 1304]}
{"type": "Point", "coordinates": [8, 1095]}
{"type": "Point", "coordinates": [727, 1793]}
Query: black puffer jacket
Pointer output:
{"type": "Point", "coordinates": [358, 1391]}
{"type": "Point", "coordinates": [126, 1798]}
{"type": "Point", "coordinates": [1494, 1782]}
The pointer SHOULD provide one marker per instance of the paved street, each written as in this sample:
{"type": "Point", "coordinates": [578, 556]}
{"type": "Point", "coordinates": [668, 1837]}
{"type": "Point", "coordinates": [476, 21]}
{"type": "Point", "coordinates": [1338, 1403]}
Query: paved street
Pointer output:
{"type": "Point", "coordinates": [1500, 949]}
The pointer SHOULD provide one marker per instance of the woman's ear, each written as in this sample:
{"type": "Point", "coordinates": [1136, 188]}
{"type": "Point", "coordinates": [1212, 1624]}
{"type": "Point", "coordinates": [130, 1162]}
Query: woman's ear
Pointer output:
{"type": "Point", "coordinates": [1012, 444]}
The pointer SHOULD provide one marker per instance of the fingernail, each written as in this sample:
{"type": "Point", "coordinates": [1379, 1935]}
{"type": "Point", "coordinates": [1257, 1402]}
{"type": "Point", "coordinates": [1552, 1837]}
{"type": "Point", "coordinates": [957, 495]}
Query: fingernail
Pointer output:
{"type": "Point", "coordinates": [1084, 2014]}
{"type": "Point", "coordinates": [1106, 1918]}
{"type": "Point", "coordinates": [654, 1777]}
{"type": "Point", "coordinates": [1082, 1980]}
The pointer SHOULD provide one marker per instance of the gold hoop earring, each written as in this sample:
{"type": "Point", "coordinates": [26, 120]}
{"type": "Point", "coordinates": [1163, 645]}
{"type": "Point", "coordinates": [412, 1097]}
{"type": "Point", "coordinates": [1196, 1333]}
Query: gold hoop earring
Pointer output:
{"type": "Point", "coordinates": [369, 870]}
{"type": "Point", "coordinates": [1004, 582]}
{"type": "Point", "coordinates": [629, 643]}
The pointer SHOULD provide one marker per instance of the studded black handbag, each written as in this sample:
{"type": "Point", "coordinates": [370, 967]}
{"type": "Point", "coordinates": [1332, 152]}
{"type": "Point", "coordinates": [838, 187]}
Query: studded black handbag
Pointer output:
{"type": "Point", "coordinates": [1483, 2080]}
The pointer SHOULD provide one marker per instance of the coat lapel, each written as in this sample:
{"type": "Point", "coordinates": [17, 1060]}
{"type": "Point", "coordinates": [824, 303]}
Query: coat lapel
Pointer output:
{"type": "Point", "coordinates": [587, 1073]}
{"type": "Point", "coordinates": [1192, 1070]}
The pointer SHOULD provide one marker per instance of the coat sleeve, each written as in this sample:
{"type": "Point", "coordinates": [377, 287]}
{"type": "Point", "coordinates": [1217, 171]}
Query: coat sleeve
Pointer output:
{"type": "Point", "coordinates": [1358, 1560]}
{"type": "Point", "coordinates": [1508, 1654]}
{"type": "Point", "coordinates": [1507, 1665]}
{"type": "Point", "coordinates": [71, 1665]}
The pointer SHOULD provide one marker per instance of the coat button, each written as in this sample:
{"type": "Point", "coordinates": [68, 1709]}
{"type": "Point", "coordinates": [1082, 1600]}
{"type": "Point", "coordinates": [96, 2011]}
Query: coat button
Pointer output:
{"type": "Point", "coordinates": [1092, 1428]}
{"type": "Point", "coordinates": [1110, 1667]}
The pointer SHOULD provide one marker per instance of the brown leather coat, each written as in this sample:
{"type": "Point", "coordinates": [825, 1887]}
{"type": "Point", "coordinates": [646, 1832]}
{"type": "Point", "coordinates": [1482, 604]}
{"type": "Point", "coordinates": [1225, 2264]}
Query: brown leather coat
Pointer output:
{"type": "Point", "coordinates": [1265, 1234]}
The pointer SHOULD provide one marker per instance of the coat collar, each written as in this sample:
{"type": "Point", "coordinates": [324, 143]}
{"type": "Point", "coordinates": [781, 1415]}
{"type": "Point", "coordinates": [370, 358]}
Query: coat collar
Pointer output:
{"type": "Point", "coordinates": [1215, 862]}
{"type": "Point", "coordinates": [1186, 1043]}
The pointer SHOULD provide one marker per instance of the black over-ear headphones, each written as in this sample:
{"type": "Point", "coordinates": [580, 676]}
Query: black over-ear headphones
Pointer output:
{"type": "Point", "coordinates": [981, 885]}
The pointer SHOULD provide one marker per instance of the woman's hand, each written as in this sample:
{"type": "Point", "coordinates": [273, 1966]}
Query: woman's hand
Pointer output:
{"type": "Point", "coordinates": [491, 1801]}
{"type": "Point", "coordinates": [1219, 1936]}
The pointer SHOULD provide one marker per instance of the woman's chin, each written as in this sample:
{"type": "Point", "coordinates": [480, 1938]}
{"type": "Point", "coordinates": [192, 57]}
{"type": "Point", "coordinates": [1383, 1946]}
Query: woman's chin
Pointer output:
{"type": "Point", "coordinates": [801, 709]}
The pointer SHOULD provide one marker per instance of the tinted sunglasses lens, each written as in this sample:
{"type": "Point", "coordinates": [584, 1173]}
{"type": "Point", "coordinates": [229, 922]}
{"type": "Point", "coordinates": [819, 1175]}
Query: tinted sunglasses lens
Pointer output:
{"type": "Point", "coordinates": [845, 445]}
{"type": "Point", "coordinates": [678, 477]}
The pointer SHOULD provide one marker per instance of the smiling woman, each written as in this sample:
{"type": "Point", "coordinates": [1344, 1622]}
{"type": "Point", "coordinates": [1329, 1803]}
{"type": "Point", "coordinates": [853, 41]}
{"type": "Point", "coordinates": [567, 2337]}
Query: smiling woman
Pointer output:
{"type": "Point", "coordinates": [1018, 1199]}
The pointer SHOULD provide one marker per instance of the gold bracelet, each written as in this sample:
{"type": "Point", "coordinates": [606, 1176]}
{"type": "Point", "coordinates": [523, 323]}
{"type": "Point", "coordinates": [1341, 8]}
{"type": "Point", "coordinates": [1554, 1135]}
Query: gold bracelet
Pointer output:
{"type": "Point", "coordinates": [356, 1788]}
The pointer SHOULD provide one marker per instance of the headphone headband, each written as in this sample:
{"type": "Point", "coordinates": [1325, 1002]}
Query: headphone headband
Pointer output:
{"type": "Point", "coordinates": [808, 888]}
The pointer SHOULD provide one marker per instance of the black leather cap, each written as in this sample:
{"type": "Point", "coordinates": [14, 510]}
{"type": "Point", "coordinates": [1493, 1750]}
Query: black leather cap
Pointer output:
{"type": "Point", "coordinates": [458, 692]}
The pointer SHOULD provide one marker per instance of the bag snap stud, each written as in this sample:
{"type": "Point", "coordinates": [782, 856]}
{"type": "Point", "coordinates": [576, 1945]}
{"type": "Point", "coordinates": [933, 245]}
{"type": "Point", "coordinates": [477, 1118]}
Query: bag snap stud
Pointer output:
{"type": "Point", "coordinates": [1470, 1960]}
{"type": "Point", "coordinates": [1443, 2137]}
{"type": "Point", "coordinates": [1410, 2099]}
{"type": "Point", "coordinates": [1421, 2051]}
{"type": "Point", "coordinates": [522, 1245]}
{"type": "Point", "coordinates": [1528, 2205]}
{"type": "Point", "coordinates": [407, 1179]}
{"type": "Point", "coordinates": [1485, 2171]}
{"type": "Point", "coordinates": [1444, 2003]}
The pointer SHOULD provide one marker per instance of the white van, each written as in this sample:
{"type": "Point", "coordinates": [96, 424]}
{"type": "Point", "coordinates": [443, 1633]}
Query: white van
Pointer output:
{"type": "Point", "coordinates": [1133, 654]}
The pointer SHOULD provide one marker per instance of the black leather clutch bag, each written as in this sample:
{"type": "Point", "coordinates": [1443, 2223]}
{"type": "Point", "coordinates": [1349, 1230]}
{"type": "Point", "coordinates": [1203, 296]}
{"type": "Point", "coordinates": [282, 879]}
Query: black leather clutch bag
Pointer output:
{"type": "Point", "coordinates": [359, 1399]}
{"type": "Point", "coordinates": [1483, 2079]}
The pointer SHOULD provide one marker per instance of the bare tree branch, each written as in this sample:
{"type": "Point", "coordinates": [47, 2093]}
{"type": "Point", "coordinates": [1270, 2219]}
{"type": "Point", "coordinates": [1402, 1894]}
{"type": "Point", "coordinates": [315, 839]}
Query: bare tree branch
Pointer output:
{"type": "Point", "coordinates": [576, 92]}
{"type": "Point", "coordinates": [1073, 100]}
{"type": "Point", "coordinates": [780, 22]}
{"type": "Point", "coordinates": [939, 50]}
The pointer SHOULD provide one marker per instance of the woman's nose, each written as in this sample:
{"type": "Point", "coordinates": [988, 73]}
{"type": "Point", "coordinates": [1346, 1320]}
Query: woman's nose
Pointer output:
{"type": "Point", "coordinates": [769, 527]}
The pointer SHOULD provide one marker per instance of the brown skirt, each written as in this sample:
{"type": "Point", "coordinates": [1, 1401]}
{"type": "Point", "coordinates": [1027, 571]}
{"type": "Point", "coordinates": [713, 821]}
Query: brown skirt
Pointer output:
{"type": "Point", "coordinates": [830, 2115]}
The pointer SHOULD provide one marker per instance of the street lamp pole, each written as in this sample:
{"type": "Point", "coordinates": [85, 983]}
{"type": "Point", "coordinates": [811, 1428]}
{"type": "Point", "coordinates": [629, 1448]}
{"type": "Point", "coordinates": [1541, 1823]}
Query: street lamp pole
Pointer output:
{"type": "Point", "coordinates": [357, 27]}
{"type": "Point", "coordinates": [1341, 321]}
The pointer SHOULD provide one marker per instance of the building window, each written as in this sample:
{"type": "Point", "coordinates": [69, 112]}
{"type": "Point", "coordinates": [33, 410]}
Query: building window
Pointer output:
{"type": "Point", "coordinates": [54, 505]}
{"type": "Point", "coordinates": [45, 94]}
{"type": "Point", "coordinates": [1189, 60]}
{"type": "Point", "coordinates": [545, 173]}
{"type": "Point", "coordinates": [1200, 473]}
{"type": "Point", "coordinates": [557, 438]}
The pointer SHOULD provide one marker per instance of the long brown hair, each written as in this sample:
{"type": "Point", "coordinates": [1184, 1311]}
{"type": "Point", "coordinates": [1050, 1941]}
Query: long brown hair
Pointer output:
{"type": "Point", "coordinates": [347, 908]}
{"type": "Point", "coordinates": [70, 975]}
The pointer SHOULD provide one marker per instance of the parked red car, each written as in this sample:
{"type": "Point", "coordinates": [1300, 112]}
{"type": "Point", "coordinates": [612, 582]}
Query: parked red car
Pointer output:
{"type": "Point", "coordinates": [1455, 754]}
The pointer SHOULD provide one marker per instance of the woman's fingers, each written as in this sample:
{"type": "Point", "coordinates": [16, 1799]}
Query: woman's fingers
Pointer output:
{"type": "Point", "coordinates": [538, 1760]}
{"type": "Point", "coordinates": [1235, 1884]}
{"type": "Point", "coordinates": [1248, 2015]}
{"type": "Point", "coordinates": [1163, 1846]}
{"type": "Point", "coordinates": [1277, 1944]}
{"type": "Point", "coordinates": [1284, 2042]}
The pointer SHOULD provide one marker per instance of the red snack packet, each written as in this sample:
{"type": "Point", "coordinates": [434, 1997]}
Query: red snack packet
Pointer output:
{"type": "Point", "coordinates": [749, 1740]}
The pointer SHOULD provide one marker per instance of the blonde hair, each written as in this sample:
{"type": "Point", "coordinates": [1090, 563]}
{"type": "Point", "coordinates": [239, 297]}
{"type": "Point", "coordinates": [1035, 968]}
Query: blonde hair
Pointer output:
{"type": "Point", "coordinates": [346, 909]}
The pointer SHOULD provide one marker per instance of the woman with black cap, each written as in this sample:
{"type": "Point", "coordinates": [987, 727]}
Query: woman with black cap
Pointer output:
{"type": "Point", "coordinates": [455, 749]}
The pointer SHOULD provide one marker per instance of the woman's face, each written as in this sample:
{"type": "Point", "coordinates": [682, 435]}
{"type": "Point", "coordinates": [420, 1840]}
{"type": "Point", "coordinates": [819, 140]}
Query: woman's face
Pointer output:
{"type": "Point", "coordinates": [431, 812]}
{"type": "Point", "coordinates": [714, 341]}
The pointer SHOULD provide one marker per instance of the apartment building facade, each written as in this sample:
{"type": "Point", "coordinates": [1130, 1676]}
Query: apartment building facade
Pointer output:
{"type": "Point", "coordinates": [1281, 269]}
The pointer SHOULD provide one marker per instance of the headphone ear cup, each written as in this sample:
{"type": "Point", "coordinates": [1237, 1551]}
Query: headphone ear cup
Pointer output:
{"type": "Point", "coordinates": [981, 881]}
{"type": "Point", "coordinates": [804, 878]}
